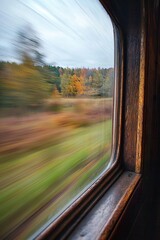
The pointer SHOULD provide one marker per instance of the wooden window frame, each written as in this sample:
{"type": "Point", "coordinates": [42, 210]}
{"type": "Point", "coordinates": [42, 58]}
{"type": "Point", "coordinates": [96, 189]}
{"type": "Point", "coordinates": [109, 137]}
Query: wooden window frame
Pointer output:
{"type": "Point", "coordinates": [97, 213]}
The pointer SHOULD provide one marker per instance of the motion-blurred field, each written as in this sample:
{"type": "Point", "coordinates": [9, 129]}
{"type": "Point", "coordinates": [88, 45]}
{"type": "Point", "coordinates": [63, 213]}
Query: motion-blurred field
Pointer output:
{"type": "Point", "coordinates": [48, 158]}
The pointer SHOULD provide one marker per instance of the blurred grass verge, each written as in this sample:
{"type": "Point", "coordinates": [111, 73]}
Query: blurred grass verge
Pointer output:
{"type": "Point", "coordinates": [46, 160]}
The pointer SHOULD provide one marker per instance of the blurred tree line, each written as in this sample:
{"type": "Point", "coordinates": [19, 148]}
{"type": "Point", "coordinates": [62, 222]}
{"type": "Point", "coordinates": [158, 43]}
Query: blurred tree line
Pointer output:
{"type": "Point", "coordinates": [30, 82]}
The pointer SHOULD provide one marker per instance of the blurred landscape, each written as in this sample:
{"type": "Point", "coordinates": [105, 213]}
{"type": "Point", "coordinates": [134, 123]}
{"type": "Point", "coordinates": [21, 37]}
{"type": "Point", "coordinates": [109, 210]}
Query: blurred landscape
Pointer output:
{"type": "Point", "coordinates": [55, 135]}
{"type": "Point", "coordinates": [55, 138]}
{"type": "Point", "coordinates": [52, 144]}
{"type": "Point", "coordinates": [48, 158]}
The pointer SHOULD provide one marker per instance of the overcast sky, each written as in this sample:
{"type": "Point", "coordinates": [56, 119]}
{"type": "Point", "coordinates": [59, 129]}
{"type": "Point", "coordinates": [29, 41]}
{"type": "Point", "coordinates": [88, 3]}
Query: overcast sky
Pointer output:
{"type": "Point", "coordinates": [73, 33]}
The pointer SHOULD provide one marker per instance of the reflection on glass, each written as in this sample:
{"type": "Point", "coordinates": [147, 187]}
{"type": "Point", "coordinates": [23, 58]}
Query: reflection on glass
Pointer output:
{"type": "Point", "coordinates": [56, 90]}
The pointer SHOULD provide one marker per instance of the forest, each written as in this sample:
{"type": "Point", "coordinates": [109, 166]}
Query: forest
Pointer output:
{"type": "Point", "coordinates": [27, 86]}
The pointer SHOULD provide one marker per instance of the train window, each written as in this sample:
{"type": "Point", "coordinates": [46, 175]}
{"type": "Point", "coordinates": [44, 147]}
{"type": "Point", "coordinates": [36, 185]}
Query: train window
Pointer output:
{"type": "Point", "coordinates": [56, 108]}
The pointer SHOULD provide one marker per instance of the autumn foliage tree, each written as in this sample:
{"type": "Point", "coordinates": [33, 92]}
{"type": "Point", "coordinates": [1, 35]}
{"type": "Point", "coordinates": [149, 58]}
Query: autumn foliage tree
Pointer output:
{"type": "Point", "coordinates": [72, 85]}
{"type": "Point", "coordinates": [76, 85]}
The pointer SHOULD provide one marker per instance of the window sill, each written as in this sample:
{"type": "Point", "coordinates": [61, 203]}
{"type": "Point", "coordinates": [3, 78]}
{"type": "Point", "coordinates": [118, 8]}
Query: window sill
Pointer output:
{"type": "Point", "coordinates": [100, 221]}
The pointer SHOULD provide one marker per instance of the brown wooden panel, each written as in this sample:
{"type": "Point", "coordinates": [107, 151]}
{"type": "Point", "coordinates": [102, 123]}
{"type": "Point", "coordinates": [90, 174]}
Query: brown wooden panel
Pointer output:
{"type": "Point", "coordinates": [128, 15]}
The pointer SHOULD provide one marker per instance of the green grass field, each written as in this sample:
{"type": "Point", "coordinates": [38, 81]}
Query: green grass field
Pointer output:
{"type": "Point", "coordinates": [37, 184]}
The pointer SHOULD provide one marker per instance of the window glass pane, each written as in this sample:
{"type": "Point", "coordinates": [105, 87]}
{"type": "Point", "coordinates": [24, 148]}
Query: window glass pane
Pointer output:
{"type": "Point", "coordinates": [56, 100]}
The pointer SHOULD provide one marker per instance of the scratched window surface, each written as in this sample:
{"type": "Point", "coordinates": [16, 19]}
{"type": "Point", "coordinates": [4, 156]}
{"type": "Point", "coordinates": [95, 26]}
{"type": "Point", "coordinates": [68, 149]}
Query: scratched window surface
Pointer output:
{"type": "Point", "coordinates": [56, 101]}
